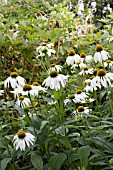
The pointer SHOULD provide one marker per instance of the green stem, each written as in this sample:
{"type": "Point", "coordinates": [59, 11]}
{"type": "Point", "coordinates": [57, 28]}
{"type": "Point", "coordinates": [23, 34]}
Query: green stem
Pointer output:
{"type": "Point", "coordinates": [97, 103]}
{"type": "Point", "coordinates": [31, 123]}
{"type": "Point", "coordinates": [32, 104]}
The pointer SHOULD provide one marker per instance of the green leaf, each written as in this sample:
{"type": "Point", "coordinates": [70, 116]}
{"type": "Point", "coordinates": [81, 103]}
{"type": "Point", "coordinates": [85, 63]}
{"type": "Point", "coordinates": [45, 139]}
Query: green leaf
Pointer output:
{"type": "Point", "coordinates": [37, 161]}
{"type": "Point", "coordinates": [111, 16]}
{"type": "Point", "coordinates": [43, 123]}
{"type": "Point", "coordinates": [103, 20]}
{"type": "Point", "coordinates": [19, 109]}
{"type": "Point", "coordinates": [56, 161]}
{"type": "Point", "coordinates": [4, 163]}
{"type": "Point", "coordinates": [56, 95]}
{"type": "Point", "coordinates": [65, 141]}
{"type": "Point", "coordinates": [83, 153]}
{"type": "Point", "coordinates": [62, 50]}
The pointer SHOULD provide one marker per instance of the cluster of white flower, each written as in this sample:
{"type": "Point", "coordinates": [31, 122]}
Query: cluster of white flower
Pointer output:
{"type": "Point", "coordinates": [102, 78]}
{"type": "Point", "coordinates": [23, 92]}
{"type": "Point", "coordinates": [79, 97]}
{"type": "Point", "coordinates": [95, 78]}
{"type": "Point", "coordinates": [98, 78]}
{"type": "Point", "coordinates": [45, 49]}
{"type": "Point", "coordinates": [21, 89]}
{"type": "Point", "coordinates": [76, 60]}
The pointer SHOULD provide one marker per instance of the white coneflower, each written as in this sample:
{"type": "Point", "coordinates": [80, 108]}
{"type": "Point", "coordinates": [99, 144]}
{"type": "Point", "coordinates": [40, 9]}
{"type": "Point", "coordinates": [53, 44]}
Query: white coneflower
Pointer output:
{"type": "Point", "coordinates": [21, 139]}
{"type": "Point", "coordinates": [102, 79]}
{"type": "Point", "coordinates": [14, 80]}
{"type": "Point", "coordinates": [32, 89]}
{"type": "Point", "coordinates": [23, 101]}
{"type": "Point", "coordinates": [72, 57]}
{"type": "Point", "coordinates": [88, 87]}
{"type": "Point", "coordinates": [41, 50]}
{"type": "Point", "coordinates": [81, 110]}
{"type": "Point", "coordinates": [89, 100]}
{"type": "Point", "coordinates": [50, 52]}
{"type": "Point", "coordinates": [69, 99]}
{"type": "Point", "coordinates": [100, 55]}
{"type": "Point", "coordinates": [80, 96]}
{"type": "Point", "coordinates": [27, 89]}
{"type": "Point", "coordinates": [108, 63]}
{"type": "Point", "coordinates": [55, 80]}
{"type": "Point", "coordinates": [78, 65]}
{"type": "Point", "coordinates": [85, 57]}
{"type": "Point", "coordinates": [58, 68]}
{"type": "Point", "coordinates": [45, 49]}
{"type": "Point", "coordinates": [36, 88]}
{"type": "Point", "coordinates": [86, 71]}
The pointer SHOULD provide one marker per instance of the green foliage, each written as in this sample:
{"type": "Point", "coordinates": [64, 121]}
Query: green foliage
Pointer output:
{"type": "Point", "coordinates": [63, 139]}
{"type": "Point", "coordinates": [4, 163]}
{"type": "Point", "coordinates": [36, 161]}
{"type": "Point", "coordinates": [56, 161]}
{"type": "Point", "coordinates": [83, 153]}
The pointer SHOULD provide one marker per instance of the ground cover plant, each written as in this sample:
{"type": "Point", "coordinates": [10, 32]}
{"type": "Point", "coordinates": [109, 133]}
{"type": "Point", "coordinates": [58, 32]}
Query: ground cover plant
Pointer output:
{"type": "Point", "coordinates": [56, 86]}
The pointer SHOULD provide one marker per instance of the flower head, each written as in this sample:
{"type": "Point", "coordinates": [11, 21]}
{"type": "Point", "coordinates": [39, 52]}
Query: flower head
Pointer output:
{"type": "Point", "coordinates": [100, 55]}
{"type": "Point", "coordinates": [81, 110]}
{"type": "Point", "coordinates": [14, 74]}
{"type": "Point", "coordinates": [78, 91]}
{"type": "Point", "coordinates": [72, 57]}
{"type": "Point", "coordinates": [23, 101]}
{"type": "Point", "coordinates": [102, 79]}
{"type": "Point", "coordinates": [82, 55]}
{"type": "Point", "coordinates": [108, 63]}
{"type": "Point", "coordinates": [55, 80]}
{"type": "Point", "coordinates": [36, 84]}
{"type": "Point", "coordinates": [78, 64]}
{"type": "Point", "coordinates": [53, 74]}
{"type": "Point", "coordinates": [85, 57]}
{"type": "Point", "coordinates": [45, 49]}
{"type": "Point", "coordinates": [69, 99]}
{"type": "Point", "coordinates": [101, 72]}
{"type": "Point", "coordinates": [99, 48]}
{"type": "Point", "coordinates": [21, 139]}
{"type": "Point", "coordinates": [27, 87]}
{"type": "Point", "coordinates": [86, 71]}
{"type": "Point", "coordinates": [88, 87]}
{"type": "Point", "coordinates": [80, 96]}
{"type": "Point", "coordinates": [58, 68]}
{"type": "Point", "coordinates": [14, 80]}
{"type": "Point", "coordinates": [71, 53]}
{"type": "Point", "coordinates": [88, 100]}
{"type": "Point", "coordinates": [37, 89]}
